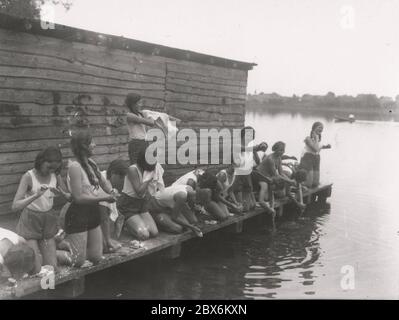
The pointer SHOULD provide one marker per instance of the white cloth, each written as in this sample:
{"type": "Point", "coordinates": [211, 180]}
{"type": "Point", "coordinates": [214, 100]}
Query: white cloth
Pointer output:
{"type": "Point", "coordinates": [246, 163]}
{"type": "Point", "coordinates": [165, 197]}
{"type": "Point", "coordinates": [111, 206]}
{"type": "Point", "coordinates": [189, 175]}
{"type": "Point", "coordinates": [45, 202]}
{"type": "Point", "coordinates": [157, 183]}
{"type": "Point", "coordinates": [162, 119]}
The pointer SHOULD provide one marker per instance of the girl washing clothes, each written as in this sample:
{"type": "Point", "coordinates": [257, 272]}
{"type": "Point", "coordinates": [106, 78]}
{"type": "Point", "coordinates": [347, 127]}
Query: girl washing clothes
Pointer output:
{"type": "Point", "coordinates": [310, 160]}
{"type": "Point", "coordinates": [83, 217]}
{"type": "Point", "coordinates": [137, 124]}
{"type": "Point", "coordinates": [38, 223]}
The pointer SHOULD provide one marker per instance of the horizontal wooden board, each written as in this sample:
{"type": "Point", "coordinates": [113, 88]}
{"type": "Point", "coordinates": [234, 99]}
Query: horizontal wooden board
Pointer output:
{"type": "Point", "coordinates": [41, 84]}
{"type": "Point", "coordinates": [62, 77]}
{"type": "Point", "coordinates": [207, 84]}
{"type": "Point", "coordinates": [87, 54]}
{"type": "Point", "coordinates": [178, 88]}
{"type": "Point", "coordinates": [37, 145]}
{"type": "Point", "coordinates": [220, 73]}
{"type": "Point", "coordinates": [34, 61]}
{"type": "Point", "coordinates": [204, 80]}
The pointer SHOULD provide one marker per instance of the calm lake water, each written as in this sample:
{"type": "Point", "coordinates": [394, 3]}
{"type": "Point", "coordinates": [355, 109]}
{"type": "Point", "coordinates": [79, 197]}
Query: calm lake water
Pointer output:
{"type": "Point", "coordinates": [358, 231]}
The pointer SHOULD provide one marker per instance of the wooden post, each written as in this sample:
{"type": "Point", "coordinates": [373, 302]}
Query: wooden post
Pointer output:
{"type": "Point", "coordinates": [71, 289]}
{"type": "Point", "coordinates": [173, 252]}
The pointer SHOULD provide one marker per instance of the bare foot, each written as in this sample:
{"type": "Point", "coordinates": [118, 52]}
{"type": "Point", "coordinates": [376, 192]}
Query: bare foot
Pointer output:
{"type": "Point", "coordinates": [119, 225]}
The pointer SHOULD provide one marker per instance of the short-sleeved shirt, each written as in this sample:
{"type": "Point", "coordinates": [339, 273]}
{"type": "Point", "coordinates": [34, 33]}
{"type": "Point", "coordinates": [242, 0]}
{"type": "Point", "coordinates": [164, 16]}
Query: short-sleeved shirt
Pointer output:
{"type": "Point", "coordinates": [269, 166]}
{"type": "Point", "coordinates": [7, 234]}
{"type": "Point", "coordinates": [165, 198]}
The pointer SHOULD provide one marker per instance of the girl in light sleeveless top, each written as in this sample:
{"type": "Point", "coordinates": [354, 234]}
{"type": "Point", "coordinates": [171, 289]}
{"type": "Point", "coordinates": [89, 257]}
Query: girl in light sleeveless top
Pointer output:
{"type": "Point", "coordinates": [38, 222]}
{"type": "Point", "coordinates": [310, 160]}
{"type": "Point", "coordinates": [83, 217]}
{"type": "Point", "coordinates": [134, 198]}
{"type": "Point", "coordinates": [137, 127]}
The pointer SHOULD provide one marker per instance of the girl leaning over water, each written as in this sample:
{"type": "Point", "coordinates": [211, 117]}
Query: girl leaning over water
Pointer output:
{"type": "Point", "coordinates": [83, 217]}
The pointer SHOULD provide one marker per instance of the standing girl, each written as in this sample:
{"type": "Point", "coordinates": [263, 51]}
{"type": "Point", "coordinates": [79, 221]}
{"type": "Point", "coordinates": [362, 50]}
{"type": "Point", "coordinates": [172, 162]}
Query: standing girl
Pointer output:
{"type": "Point", "coordinates": [38, 221]}
{"type": "Point", "coordinates": [83, 217]}
{"type": "Point", "coordinates": [310, 160]}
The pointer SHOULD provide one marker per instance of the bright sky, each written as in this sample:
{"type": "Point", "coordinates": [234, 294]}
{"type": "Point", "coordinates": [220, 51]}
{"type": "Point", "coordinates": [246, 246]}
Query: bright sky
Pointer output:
{"type": "Point", "coordinates": [303, 46]}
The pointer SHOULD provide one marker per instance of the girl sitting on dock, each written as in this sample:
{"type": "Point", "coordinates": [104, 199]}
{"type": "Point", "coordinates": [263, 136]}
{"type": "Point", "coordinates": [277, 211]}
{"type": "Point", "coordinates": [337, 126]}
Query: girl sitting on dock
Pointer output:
{"type": "Point", "coordinates": [115, 176]}
{"type": "Point", "coordinates": [226, 178]}
{"type": "Point", "coordinates": [273, 180]}
{"type": "Point", "coordinates": [218, 206]}
{"type": "Point", "coordinates": [134, 199]}
{"type": "Point", "coordinates": [83, 217]}
{"type": "Point", "coordinates": [38, 222]}
{"type": "Point", "coordinates": [173, 208]}
{"type": "Point", "coordinates": [310, 160]}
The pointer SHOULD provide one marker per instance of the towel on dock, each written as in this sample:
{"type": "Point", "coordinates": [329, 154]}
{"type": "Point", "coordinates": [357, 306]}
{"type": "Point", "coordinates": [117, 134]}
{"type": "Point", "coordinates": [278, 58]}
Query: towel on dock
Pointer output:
{"type": "Point", "coordinates": [163, 121]}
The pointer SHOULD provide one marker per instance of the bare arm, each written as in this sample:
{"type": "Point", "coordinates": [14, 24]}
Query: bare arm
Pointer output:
{"type": "Point", "coordinates": [132, 118]}
{"type": "Point", "coordinates": [78, 196]}
{"type": "Point", "coordinates": [20, 202]}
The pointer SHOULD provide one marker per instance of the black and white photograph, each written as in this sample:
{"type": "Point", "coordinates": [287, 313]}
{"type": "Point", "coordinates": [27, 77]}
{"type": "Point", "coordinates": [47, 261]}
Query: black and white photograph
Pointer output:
{"type": "Point", "coordinates": [215, 152]}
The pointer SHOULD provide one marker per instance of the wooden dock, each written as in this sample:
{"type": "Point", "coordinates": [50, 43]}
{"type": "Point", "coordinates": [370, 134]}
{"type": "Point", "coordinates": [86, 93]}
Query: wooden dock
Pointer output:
{"type": "Point", "coordinates": [69, 282]}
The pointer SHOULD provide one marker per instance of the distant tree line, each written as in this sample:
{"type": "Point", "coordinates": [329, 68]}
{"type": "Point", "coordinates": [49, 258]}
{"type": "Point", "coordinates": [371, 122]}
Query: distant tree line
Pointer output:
{"type": "Point", "coordinates": [328, 101]}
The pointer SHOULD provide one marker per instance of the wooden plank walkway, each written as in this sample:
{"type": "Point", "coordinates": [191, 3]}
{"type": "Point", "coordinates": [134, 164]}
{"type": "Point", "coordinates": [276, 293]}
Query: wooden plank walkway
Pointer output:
{"type": "Point", "coordinates": [72, 279]}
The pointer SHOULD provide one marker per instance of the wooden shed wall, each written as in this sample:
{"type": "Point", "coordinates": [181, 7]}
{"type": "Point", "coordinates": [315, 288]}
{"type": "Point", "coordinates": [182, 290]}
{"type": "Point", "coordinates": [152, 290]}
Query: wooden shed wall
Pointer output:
{"type": "Point", "coordinates": [49, 86]}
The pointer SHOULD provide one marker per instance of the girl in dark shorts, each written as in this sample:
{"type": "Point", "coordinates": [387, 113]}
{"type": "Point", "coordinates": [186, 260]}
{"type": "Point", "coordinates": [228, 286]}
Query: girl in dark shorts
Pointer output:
{"type": "Point", "coordinates": [35, 194]}
{"type": "Point", "coordinates": [133, 201]}
{"type": "Point", "coordinates": [310, 160]}
{"type": "Point", "coordinates": [83, 218]}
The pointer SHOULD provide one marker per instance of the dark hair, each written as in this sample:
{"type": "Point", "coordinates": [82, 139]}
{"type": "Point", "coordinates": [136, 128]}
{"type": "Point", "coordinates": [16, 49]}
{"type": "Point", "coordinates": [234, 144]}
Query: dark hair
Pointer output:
{"type": "Point", "coordinates": [80, 147]}
{"type": "Point", "coordinates": [207, 180]}
{"type": "Point", "coordinates": [243, 130]}
{"type": "Point", "coordinates": [19, 259]}
{"type": "Point", "coordinates": [300, 175]}
{"type": "Point", "coordinates": [131, 100]}
{"type": "Point", "coordinates": [314, 126]}
{"type": "Point", "coordinates": [118, 167]}
{"type": "Point", "coordinates": [278, 145]}
{"type": "Point", "coordinates": [48, 155]}
{"type": "Point", "coordinates": [143, 163]}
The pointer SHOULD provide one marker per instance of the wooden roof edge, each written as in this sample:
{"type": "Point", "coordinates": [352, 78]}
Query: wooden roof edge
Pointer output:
{"type": "Point", "coordinates": [72, 34]}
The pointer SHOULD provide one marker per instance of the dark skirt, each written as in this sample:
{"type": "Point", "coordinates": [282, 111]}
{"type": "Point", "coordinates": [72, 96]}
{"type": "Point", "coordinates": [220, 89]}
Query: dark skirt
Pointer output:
{"type": "Point", "coordinates": [243, 183]}
{"type": "Point", "coordinates": [82, 217]}
{"type": "Point", "coordinates": [310, 162]}
{"type": "Point", "coordinates": [36, 225]}
{"type": "Point", "coordinates": [135, 147]}
{"type": "Point", "coordinates": [129, 206]}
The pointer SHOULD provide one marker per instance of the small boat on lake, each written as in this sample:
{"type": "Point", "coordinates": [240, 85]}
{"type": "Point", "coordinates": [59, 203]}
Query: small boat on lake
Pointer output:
{"type": "Point", "coordinates": [351, 118]}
